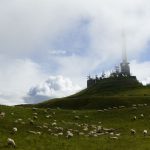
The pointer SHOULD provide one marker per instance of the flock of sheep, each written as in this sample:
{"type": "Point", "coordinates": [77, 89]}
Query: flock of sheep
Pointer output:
{"type": "Point", "coordinates": [79, 129]}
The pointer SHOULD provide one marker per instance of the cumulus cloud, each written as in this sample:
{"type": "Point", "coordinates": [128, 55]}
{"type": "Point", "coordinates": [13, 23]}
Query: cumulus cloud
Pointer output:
{"type": "Point", "coordinates": [16, 76]}
{"type": "Point", "coordinates": [53, 87]}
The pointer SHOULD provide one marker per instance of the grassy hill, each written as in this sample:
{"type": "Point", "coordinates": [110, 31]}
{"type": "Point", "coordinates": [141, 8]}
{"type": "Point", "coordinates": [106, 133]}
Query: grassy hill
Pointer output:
{"type": "Point", "coordinates": [109, 92]}
{"type": "Point", "coordinates": [93, 127]}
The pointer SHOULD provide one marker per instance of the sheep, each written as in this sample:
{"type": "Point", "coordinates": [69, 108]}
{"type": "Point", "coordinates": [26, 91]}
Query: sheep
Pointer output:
{"type": "Point", "coordinates": [145, 132]}
{"type": "Point", "coordinates": [34, 109]}
{"type": "Point", "coordinates": [60, 133]}
{"type": "Point", "coordinates": [81, 133]}
{"type": "Point", "coordinates": [69, 134]}
{"type": "Point", "coordinates": [35, 117]}
{"type": "Point", "coordinates": [39, 133]}
{"type": "Point", "coordinates": [134, 105]}
{"type": "Point", "coordinates": [76, 117]}
{"type": "Point", "coordinates": [133, 132]}
{"type": "Point", "coordinates": [142, 116]}
{"type": "Point", "coordinates": [31, 122]}
{"type": "Point", "coordinates": [134, 117]}
{"type": "Point", "coordinates": [117, 134]}
{"type": "Point", "coordinates": [14, 130]}
{"type": "Point", "coordinates": [44, 126]}
{"type": "Point", "coordinates": [12, 113]}
{"type": "Point", "coordinates": [11, 142]}
{"type": "Point", "coordinates": [35, 114]}
{"type": "Point", "coordinates": [54, 124]}
{"type": "Point", "coordinates": [111, 133]}
{"type": "Point", "coordinates": [114, 137]}
{"type": "Point", "coordinates": [85, 129]}
{"type": "Point", "coordinates": [19, 119]}
{"type": "Point", "coordinates": [2, 114]}
{"type": "Point", "coordinates": [48, 116]}
{"type": "Point", "coordinates": [86, 116]}
{"type": "Point", "coordinates": [99, 110]}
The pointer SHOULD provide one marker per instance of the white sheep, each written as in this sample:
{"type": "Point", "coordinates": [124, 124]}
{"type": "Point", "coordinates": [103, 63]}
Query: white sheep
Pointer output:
{"type": "Point", "coordinates": [11, 142]}
{"type": "Point", "coordinates": [69, 134]}
{"type": "Point", "coordinates": [14, 130]}
{"type": "Point", "coordinates": [142, 116]}
{"type": "Point", "coordinates": [61, 133]}
{"type": "Point", "coordinates": [76, 117]}
{"type": "Point", "coordinates": [114, 137]}
{"type": "Point", "coordinates": [2, 114]}
{"type": "Point", "coordinates": [134, 118]}
{"type": "Point", "coordinates": [35, 117]}
{"type": "Point", "coordinates": [145, 132]}
{"type": "Point", "coordinates": [133, 132]}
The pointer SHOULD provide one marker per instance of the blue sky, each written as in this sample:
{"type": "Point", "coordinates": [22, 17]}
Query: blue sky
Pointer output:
{"type": "Point", "coordinates": [46, 44]}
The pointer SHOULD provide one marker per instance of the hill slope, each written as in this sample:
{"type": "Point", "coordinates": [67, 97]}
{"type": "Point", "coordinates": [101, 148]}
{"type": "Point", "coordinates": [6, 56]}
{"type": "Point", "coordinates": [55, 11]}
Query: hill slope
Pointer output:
{"type": "Point", "coordinates": [107, 93]}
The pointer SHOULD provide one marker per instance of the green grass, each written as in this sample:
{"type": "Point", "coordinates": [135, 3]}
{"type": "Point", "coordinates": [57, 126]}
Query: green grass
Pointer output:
{"type": "Point", "coordinates": [120, 119]}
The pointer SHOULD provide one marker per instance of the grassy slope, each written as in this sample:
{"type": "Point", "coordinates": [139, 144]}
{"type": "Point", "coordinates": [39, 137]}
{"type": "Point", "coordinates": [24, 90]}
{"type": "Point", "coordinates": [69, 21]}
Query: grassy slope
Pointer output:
{"type": "Point", "coordinates": [118, 119]}
{"type": "Point", "coordinates": [107, 93]}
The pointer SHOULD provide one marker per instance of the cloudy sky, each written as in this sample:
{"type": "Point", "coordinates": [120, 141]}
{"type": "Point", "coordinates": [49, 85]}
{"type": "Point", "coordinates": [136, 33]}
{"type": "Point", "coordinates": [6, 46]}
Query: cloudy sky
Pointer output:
{"type": "Point", "coordinates": [48, 47]}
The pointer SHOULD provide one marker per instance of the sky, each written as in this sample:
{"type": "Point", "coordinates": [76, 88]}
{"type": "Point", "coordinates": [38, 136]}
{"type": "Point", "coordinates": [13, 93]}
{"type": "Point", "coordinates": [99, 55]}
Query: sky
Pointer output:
{"type": "Point", "coordinates": [49, 47]}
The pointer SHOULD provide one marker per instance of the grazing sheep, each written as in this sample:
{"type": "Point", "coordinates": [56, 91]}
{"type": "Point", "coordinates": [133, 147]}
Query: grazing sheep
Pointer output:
{"type": "Point", "coordinates": [48, 116]}
{"type": "Point", "coordinates": [35, 117]}
{"type": "Point", "coordinates": [69, 134]}
{"type": "Point", "coordinates": [117, 134]}
{"type": "Point", "coordinates": [114, 137]}
{"type": "Point", "coordinates": [54, 124]}
{"type": "Point", "coordinates": [34, 109]}
{"type": "Point", "coordinates": [142, 116]}
{"type": "Point", "coordinates": [86, 116]}
{"type": "Point", "coordinates": [133, 132]}
{"type": "Point", "coordinates": [49, 130]}
{"type": "Point", "coordinates": [100, 110]}
{"type": "Point", "coordinates": [19, 119]}
{"type": "Point", "coordinates": [11, 142]}
{"type": "Point", "coordinates": [134, 118]}
{"type": "Point", "coordinates": [35, 114]}
{"type": "Point", "coordinates": [53, 113]}
{"type": "Point", "coordinates": [39, 133]}
{"type": "Point", "coordinates": [145, 132]}
{"type": "Point", "coordinates": [81, 133]}
{"type": "Point", "coordinates": [12, 113]}
{"type": "Point", "coordinates": [2, 114]}
{"type": "Point", "coordinates": [111, 133]}
{"type": "Point", "coordinates": [14, 130]}
{"type": "Point", "coordinates": [134, 105]}
{"type": "Point", "coordinates": [76, 117]}
{"type": "Point", "coordinates": [60, 133]}
{"type": "Point", "coordinates": [31, 122]}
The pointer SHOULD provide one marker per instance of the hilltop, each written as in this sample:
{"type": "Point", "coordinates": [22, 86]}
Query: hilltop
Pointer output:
{"type": "Point", "coordinates": [109, 92]}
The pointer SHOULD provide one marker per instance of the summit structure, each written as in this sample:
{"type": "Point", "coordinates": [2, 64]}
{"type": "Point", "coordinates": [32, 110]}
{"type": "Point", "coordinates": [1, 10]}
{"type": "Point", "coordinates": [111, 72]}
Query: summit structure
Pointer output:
{"type": "Point", "coordinates": [124, 65]}
{"type": "Point", "coordinates": [121, 71]}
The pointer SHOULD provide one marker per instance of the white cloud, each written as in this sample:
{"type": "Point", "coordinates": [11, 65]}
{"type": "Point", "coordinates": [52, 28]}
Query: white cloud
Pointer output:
{"type": "Point", "coordinates": [141, 70]}
{"type": "Point", "coordinates": [16, 77]}
{"type": "Point", "coordinates": [53, 87]}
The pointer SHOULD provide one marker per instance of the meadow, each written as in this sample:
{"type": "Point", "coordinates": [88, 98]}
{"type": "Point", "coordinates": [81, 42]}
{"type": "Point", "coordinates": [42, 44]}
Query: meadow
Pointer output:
{"type": "Point", "coordinates": [41, 133]}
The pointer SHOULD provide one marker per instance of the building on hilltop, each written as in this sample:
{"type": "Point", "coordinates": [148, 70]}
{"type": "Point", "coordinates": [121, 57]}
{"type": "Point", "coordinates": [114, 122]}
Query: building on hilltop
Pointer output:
{"type": "Point", "coordinates": [122, 71]}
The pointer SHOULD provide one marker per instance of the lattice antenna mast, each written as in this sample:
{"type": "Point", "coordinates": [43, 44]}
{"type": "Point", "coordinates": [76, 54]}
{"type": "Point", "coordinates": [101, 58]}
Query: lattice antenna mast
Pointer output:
{"type": "Point", "coordinates": [124, 49]}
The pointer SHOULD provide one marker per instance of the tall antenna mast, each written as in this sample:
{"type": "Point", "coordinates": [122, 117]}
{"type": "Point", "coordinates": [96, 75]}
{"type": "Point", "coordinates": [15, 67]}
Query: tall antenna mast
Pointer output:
{"type": "Point", "coordinates": [124, 53]}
